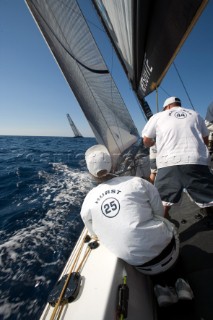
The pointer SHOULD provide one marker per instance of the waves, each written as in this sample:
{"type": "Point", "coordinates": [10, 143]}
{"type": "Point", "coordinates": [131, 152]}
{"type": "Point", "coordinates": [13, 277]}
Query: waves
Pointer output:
{"type": "Point", "coordinates": [43, 184]}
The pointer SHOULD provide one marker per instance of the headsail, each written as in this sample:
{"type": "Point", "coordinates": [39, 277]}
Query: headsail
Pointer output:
{"type": "Point", "coordinates": [147, 36]}
{"type": "Point", "coordinates": [71, 42]}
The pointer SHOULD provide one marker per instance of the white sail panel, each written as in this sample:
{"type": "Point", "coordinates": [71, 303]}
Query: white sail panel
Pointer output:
{"type": "Point", "coordinates": [118, 18]}
{"type": "Point", "coordinates": [72, 44]}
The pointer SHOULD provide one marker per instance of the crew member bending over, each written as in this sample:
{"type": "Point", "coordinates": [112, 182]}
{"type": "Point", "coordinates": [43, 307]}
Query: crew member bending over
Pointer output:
{"type": "Point", "coordinates": [126, 214]}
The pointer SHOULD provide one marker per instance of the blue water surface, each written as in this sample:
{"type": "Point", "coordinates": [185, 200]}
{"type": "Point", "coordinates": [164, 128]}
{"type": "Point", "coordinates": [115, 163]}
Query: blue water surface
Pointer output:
{"type": "Point", "coordinates": [43, 181]}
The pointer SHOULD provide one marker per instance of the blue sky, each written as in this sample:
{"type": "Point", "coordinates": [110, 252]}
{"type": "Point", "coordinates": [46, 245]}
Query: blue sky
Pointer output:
{"type": "Point", "coordinates": [35, 97]}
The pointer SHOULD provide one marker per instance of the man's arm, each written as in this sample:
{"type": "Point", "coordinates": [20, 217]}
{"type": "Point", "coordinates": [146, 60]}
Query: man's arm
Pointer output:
{"type": "Point", "coordinates": [206, 140]}
{"type": "Point", "coordinates": [154, 199]}
{"type": "Point", "coordinates": [87, 216]}
{"type": "Point", "coordinates": [148, 142]}
{"type": "Point", "coordinates": [149, 131]}
{"type": "Point", "coordinates": [204, 131]}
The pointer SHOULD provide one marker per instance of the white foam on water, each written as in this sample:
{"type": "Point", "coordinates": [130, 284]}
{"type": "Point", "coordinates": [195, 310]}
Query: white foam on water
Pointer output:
{"type": "Point", "coordinates": [31, 253]}
{"type": "Point", "coordinates": [8, 309]}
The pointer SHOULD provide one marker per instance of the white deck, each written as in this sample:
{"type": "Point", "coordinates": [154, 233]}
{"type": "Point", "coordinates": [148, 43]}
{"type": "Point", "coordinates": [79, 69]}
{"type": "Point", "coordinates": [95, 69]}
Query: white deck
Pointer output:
{"type": "Point", "coordinates": [97, 299]}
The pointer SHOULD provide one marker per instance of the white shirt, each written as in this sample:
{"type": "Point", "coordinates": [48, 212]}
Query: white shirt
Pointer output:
{"type": "Point", "coordinates": [179, 136]}
{"type": "Point", "coordinates": [126, 215]}
{"type": "Point", "coordinates": [209, 117]}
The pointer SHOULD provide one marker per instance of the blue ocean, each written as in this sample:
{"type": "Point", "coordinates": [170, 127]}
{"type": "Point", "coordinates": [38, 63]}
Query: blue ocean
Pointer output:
{"type": "Point", "coordinates": [43, 182]}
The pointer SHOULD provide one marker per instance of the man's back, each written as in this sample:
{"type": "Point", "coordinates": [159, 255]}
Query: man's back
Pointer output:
{"type": "Point", "coordinates": [179, 137]}
{"type": "Point", "coordinates": [124, 213]}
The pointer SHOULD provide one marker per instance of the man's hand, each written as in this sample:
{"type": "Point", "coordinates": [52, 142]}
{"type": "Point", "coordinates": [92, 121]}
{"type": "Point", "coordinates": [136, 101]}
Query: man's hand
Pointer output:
{"type": "Point", "coordinates": [148, 142]}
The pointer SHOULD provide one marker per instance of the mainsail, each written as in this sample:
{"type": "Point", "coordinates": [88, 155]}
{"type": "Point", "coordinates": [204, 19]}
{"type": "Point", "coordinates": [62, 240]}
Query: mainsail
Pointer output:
{"type": "Point", "coordinates": [71, 42]}
{"type": "Point", "coordinates": [147, 36]}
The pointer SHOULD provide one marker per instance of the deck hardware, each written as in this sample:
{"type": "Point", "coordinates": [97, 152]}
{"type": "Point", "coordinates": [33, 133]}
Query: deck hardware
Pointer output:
{"type": "Point", "coordinates": [71, 292]}
{"type": "Point", "coordinates": [93, 244]}
{"type": "Point", "coordinates": [123, 297]}
{"type": "Point", "coordinates": [87, 238]}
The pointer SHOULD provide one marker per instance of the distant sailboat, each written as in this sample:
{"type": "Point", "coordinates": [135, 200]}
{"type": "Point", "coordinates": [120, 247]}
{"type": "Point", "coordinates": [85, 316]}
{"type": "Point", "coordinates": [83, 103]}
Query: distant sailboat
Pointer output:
{"type": "Point", "coordinates": [76, 132]}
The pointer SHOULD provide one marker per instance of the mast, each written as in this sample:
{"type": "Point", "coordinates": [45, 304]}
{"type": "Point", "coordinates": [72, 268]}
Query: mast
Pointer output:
{"type": "Point", "coordinates": [76, 132]}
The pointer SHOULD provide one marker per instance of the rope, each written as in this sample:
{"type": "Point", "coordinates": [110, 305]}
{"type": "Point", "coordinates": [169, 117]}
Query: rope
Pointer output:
{"type": "Point", "coordinates": [73, 266]}
{"type": "Point", "coordinates": [157, 104]}
{"type": "Point", "coordinates": [183, 86]}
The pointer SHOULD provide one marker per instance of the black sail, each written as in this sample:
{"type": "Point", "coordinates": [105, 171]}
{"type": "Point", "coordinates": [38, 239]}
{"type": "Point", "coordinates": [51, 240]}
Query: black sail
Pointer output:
{"type": "Point", "coordinates": [147, 35]}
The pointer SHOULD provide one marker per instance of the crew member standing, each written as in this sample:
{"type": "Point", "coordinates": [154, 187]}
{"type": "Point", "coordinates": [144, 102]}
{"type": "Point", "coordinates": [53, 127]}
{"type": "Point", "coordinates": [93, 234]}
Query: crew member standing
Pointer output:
{"type": "Point", "coordinates": [183, 158]}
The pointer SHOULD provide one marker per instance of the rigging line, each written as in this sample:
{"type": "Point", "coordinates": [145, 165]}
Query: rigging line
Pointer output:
{"type": "Point", "coordinates": [67, 51]}
{"type": "Point", "coordinates": [157, 102]}
{"type": "Point", "coordinates": [140, 107]}
{"type": "Point", "coordinates": [111, 72]}
{"type": "Point", "coordinates": [165, 91]}
{"type": "Point", "coordinates": [183, 86]}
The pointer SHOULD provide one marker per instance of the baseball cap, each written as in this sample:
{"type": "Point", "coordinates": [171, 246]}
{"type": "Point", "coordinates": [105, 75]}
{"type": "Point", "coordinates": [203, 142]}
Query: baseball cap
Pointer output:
{"type": "Point", "coordinates": [98, 159]}
{"type": "Point", "coordinates": [171, 100]}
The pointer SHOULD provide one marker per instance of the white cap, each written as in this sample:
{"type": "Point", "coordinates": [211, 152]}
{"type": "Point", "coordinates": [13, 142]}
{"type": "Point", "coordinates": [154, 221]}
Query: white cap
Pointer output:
{"type": "Point", "coordinates": [170, 101]}
{"type": "Point", "coordinates": [98, 159]}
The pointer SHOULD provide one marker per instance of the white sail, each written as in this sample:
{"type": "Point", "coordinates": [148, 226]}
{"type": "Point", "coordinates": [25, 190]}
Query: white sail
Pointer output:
{"type": "Point", "coordinates": [72, 44]}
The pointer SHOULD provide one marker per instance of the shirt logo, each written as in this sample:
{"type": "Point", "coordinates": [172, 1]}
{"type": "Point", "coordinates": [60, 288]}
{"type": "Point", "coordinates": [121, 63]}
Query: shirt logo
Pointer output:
{"type": "Point", "coordinates": [180, 115]}
{"type": "Point", "coordinates": [110, 207]}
